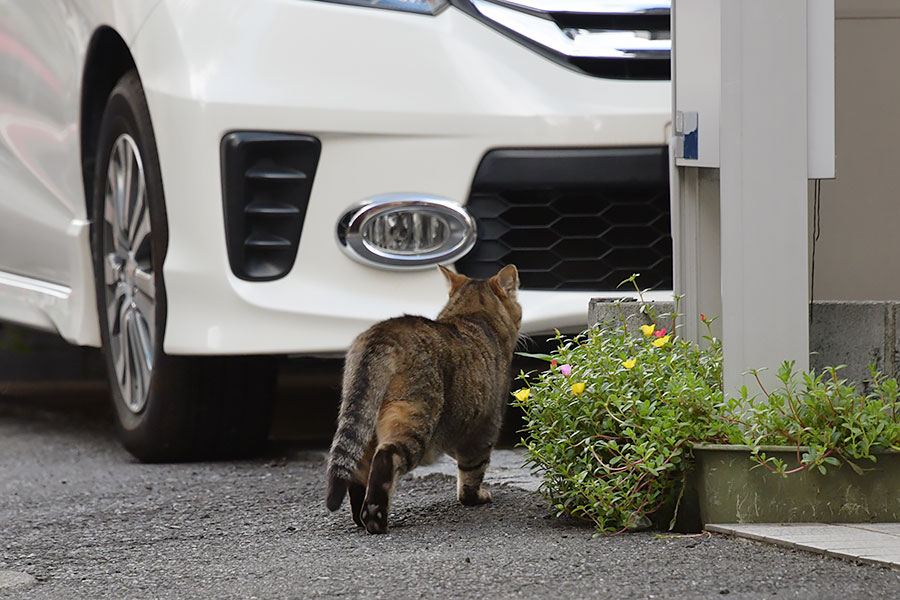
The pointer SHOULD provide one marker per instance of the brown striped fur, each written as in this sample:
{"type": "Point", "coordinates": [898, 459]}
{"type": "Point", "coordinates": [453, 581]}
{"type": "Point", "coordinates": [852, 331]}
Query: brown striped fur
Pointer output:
{"type": "Point", "coordinates": [414, 388]}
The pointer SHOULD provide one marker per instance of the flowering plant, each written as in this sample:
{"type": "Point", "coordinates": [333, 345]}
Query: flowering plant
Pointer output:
{"type": "Point", "coordinates": [612, 433]}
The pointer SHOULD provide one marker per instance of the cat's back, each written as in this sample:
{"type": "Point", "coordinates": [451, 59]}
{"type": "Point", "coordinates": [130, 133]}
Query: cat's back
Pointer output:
{"type": "Point", "coordinates": [408, 333]}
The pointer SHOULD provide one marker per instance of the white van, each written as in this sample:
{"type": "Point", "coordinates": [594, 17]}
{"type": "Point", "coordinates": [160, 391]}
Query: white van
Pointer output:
{"type": "Point", "coordinates": [200, 186]}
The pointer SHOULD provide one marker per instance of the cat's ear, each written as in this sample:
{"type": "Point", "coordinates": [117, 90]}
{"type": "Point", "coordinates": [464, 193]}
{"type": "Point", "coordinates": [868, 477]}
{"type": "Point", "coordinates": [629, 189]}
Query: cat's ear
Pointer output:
{"type": "Point", "coordinates": [506, 282]}
{"type": "Point", "coordinates": [455, 280]}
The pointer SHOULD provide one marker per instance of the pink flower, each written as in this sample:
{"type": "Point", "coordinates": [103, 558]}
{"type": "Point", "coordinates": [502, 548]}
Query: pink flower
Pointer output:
{"type": "Point", "coordinates": [660, 333]}
{"type": "Point", "coordinates": [565, 369]}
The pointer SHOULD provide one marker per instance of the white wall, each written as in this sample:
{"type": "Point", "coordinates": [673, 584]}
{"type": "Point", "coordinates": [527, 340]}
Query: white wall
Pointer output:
{"type": "Point", "coordinates": [858, 252]}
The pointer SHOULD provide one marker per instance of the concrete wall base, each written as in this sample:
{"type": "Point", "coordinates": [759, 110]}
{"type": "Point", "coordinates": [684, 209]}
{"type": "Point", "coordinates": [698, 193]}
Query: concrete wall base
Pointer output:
{"type": "Point", "coordinates": [855, 334]}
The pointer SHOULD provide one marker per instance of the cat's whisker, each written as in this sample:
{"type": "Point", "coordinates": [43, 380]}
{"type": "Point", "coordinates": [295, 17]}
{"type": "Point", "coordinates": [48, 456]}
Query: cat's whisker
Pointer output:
{"type": "Point", "coordinates": [524, 342]}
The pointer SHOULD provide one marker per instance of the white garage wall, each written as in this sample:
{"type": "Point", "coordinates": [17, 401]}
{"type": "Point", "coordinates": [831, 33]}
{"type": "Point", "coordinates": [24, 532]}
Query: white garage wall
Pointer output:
{"type": "Point", "coordinates": [858, 252]}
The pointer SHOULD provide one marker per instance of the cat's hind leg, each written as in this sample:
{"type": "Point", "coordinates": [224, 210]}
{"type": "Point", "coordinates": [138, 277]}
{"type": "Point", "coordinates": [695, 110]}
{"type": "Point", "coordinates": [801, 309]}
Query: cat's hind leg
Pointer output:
{"type": "Point", "coordinates": [403, 430]}
{"type": "Point", "coordinates": [470, 469]}
{"type": "Point", "coordinates": [382, 478]}
{"type": "Point", "coordinates": [357, 486]}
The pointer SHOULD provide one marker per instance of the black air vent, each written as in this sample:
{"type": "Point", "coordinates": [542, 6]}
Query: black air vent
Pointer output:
{"type": "Point", "coordinates": [581, 219]}
{"type": "Point", "coordinates": [266, 182]}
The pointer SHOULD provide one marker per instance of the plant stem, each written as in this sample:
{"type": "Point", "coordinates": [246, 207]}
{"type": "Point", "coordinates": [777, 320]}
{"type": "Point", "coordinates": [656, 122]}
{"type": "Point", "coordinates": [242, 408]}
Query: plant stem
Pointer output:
{"type": "Point", "coordinates": [756, 376]}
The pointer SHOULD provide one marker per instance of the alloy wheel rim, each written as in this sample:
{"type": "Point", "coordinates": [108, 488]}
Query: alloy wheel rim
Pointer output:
{"type": "Point", "coordinates": [128, 273]}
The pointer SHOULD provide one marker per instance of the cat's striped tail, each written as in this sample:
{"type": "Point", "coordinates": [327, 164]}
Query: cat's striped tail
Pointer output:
{"type": "Point", "coordinates": [360, 402]}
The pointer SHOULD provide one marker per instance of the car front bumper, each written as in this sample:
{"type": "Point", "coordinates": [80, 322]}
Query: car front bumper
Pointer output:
{"type": "Point", "coordinates": [400, 103]}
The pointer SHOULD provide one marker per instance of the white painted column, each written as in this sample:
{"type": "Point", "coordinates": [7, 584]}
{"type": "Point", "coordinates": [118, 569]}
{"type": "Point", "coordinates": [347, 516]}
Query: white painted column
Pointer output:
{"type": "Point", "coordinates": [763, 187]}
{"type": "Point", "coordinates": [739, 194]}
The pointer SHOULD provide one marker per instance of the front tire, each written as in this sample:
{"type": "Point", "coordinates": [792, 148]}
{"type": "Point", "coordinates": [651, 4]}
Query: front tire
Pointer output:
{"type": "Point", "coordinates": [167, 407]}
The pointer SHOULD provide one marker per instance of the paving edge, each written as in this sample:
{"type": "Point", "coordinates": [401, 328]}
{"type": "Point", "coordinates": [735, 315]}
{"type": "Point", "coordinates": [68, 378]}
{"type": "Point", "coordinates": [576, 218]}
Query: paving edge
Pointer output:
{"type": "Point", "coordinates": [507, 467]}
{"type": "Point", "coordinates": [15, 579]}
{"type": "Point", "coordinates": [728, 529]}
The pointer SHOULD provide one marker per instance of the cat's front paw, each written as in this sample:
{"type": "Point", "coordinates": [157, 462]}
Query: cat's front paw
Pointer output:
{"type": "Point", "coordinates": [474, 497]}
{"type": "Point", "coordinates": [374, 518]}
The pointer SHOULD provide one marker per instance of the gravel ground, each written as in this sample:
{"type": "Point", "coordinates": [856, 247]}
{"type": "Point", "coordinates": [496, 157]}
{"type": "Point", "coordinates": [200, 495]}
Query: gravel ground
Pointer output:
{"type": "Point", "coordinates": [86, 521]}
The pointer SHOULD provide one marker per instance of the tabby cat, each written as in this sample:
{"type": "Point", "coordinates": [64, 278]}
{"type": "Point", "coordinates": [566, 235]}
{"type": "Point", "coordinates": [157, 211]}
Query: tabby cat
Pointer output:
{"type": "Point", "coordinates": [414, 388]}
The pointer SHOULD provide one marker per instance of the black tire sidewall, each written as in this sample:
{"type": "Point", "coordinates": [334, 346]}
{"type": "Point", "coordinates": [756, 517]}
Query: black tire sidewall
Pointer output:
{"type": "Point", "coordinates": [197, 407]}
{"type": "Point", "coordinates": [126, 112]}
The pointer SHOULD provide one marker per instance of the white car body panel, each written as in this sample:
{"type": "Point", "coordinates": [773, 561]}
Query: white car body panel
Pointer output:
{"type": "Point", "coordinates": [45, 268]}
{"type": "Point", "coordinates": [442, 91]}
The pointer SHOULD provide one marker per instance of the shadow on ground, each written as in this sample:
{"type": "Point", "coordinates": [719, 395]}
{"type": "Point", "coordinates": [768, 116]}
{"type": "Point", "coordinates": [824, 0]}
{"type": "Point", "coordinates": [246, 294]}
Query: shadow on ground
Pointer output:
{"type": "Point", "coordinates": [54, 378]}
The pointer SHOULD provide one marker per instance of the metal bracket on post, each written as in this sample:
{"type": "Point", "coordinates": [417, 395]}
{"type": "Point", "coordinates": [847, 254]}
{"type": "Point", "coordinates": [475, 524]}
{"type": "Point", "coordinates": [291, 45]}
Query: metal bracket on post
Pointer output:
{"type": "Point", "coordinates": [686, 135]}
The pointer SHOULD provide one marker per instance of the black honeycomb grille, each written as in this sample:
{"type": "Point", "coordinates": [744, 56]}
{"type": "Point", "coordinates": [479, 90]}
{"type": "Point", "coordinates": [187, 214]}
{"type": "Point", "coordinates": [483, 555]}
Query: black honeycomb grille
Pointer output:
{"type": "Point", "coordinates": [580, 231]}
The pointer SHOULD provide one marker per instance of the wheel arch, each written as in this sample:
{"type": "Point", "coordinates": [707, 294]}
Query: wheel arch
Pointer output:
{"type": "Point", "coordinates": [107, 59]}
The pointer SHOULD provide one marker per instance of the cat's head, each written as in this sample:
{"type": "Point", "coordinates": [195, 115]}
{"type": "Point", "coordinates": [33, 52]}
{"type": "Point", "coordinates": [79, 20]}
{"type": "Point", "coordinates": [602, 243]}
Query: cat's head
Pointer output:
{"type": "Point", "coordinates": [495, 295]}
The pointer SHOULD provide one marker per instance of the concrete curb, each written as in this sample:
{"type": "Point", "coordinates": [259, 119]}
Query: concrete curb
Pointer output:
{"type": "Point", "coordinates": [873, 543]}
{"type": "Point", "coordinates": [507, 468]}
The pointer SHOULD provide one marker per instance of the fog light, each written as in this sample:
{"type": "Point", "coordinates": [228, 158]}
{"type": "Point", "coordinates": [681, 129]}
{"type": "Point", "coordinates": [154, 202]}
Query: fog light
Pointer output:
{"type": "Point", "coordinates": [404, 231]}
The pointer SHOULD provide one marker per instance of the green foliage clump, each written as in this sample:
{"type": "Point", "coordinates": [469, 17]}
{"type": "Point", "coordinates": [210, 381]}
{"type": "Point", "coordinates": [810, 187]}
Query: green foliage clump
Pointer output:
{"type": "Point", "coordinates": [824, 417]}
{"type": "Point", "coordinates": [610, 424]}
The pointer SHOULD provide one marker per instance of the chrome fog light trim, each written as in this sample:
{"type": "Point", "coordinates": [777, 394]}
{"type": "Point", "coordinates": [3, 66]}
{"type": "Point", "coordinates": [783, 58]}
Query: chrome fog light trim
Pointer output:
{"type": "Point", "coordinates": [406, 231]}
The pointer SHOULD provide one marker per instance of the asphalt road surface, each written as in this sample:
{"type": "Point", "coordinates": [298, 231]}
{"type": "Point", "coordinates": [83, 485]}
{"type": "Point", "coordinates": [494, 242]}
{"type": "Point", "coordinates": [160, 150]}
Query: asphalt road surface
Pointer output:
{"type": "Point", "coordinates": [79, 518]}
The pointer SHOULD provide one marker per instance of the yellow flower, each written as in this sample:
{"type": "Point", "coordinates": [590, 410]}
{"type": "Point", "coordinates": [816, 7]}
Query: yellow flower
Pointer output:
{"type": "Point", "coordinates": [648, 329]}
{"type": "Point", "coordinates": [522, 395]}
{"type": "Point", "coordinates": [577, 388]}
{"type": "Point", "coordinates": [661, 341]}
{"type": "Point", "coordinates": [629, 364]}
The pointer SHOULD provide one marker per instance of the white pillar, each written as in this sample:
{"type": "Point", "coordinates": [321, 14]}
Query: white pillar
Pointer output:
{"type": "Point", "coordinates": [763, 187]}
{"type": "Point", "coordinates": [740, 86]}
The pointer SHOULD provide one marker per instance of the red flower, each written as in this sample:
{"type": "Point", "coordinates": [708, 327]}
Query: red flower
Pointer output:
{"type": "Point", "coordinates": [553, 363]}
{"type": "Point", "coordinates": [660, 333]}
{"type": "Point", "coordinates": [703, 317]}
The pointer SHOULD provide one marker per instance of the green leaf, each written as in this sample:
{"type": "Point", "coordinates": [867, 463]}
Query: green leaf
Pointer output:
{"type": "Point", "coordinates": [545, 357]}
{"type": "Point", "coordinates": [856, 468]}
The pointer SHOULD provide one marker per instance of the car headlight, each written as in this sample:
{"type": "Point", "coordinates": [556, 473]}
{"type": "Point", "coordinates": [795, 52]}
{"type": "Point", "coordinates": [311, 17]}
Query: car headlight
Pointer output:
{"type": "Point", "coordinates": [424, 7]}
